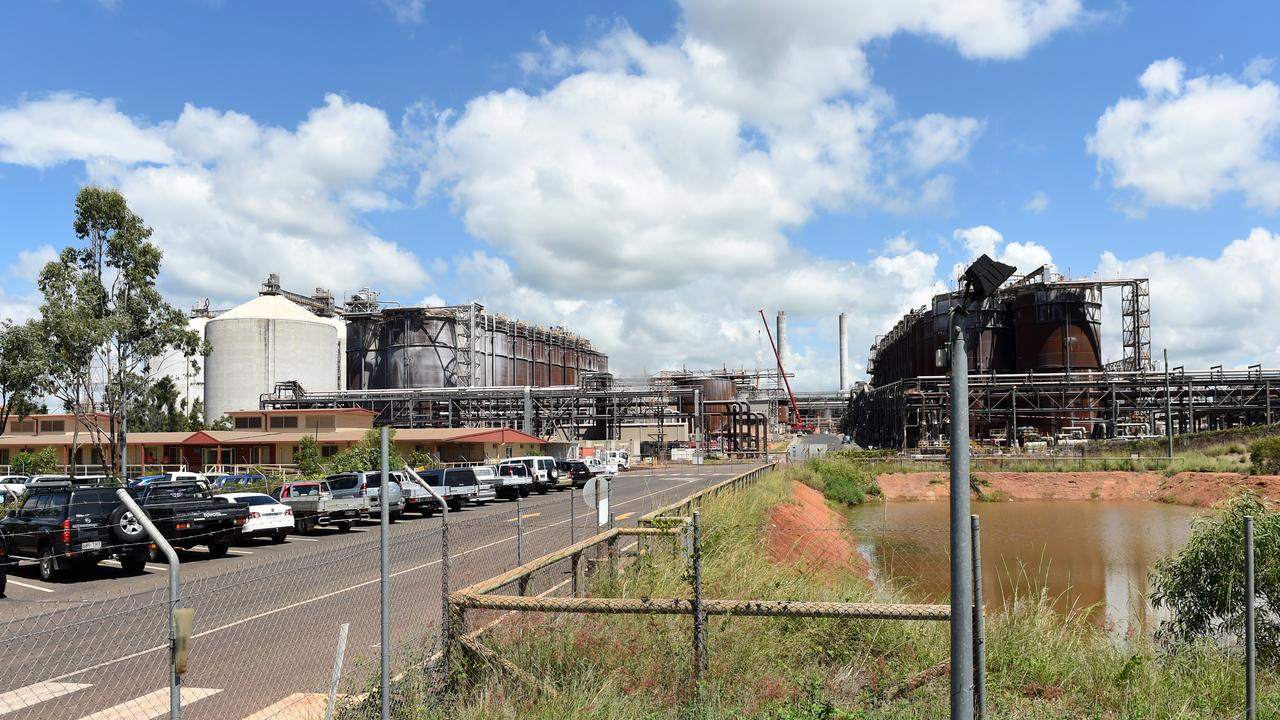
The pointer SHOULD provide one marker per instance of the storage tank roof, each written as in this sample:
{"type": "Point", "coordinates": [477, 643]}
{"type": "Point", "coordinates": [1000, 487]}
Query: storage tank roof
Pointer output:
{"type": "Point", "coordinates": [269, 307]}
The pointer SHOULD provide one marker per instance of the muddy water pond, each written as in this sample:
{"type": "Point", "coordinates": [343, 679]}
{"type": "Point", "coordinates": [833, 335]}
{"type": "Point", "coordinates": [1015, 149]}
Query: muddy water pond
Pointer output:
{"type": "Point", "coordinates": [1085, 554]}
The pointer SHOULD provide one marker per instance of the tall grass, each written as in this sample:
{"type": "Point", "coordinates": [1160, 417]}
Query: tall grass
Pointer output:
{"type": "Point", "coordinates": [1041, 663]}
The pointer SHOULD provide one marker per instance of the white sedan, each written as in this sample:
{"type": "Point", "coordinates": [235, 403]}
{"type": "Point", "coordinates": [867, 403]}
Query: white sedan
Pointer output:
{"type": "Point", "coordinates": [267, 516]}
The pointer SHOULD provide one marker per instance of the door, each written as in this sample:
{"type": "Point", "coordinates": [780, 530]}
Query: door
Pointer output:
{"type": "Point", "coordinates": [19, 532]}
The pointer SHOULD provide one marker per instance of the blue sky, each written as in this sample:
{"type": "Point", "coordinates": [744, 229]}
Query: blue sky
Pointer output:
{"type": "Point", "coordinates": [651, 173]}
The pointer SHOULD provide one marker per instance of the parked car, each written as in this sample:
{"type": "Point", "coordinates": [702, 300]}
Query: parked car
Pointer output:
{"type": "Point", "coordinates": [621, 459]}
{"type": "Point", "coordinates": [12, 486]}
{"type": "Point", "coordinates": [578, 472]}
{"type": "Point", "coordinates": [416, 496]}
{"type": "Point", "coordinates": [239, 480]}
{"type": "Point", "coordinates": [598, 467]}
{"type": "Point", "coordinates": [174, 476]}
{"type": "Point", "coordinates": [267, 516]}
{"type": "Point", "coordinates": [314, 505]}
{"type": "Point", "coordinates": [186, 514]}
{"type": "Point", "coordinates": [60, 526]}
{"type": "Point", "coordinates": [459, 485]}
{"type": "Point", "coordinates": [366, 485]}
{"type": "Point", "coordinates": [509, 485]}
{"type": "Point", "coordinates": [542, 468]}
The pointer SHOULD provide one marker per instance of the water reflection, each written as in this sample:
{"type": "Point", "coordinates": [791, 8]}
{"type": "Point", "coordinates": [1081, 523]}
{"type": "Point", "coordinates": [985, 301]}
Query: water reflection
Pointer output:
{"type": "Point", "coordinates": [1084, 553]}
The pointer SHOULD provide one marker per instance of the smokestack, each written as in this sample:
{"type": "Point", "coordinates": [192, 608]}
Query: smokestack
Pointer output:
{"type": "Point", "coordinates": [782, 343]}
{"type": "Point", "coordinates": [844, 352]}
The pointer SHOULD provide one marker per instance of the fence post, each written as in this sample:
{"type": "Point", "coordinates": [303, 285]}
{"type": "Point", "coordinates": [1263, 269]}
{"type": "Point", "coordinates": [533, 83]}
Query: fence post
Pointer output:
{"type": "Point", "coordinates": [519, 530]}
{"type": "Point", "coordinates": [979, 629]}
{"type": "Point", "coordinates": [699, 622]}
{"type": "Point", "coordinates": [1250, 690]}
{"type": "Point", "coordinates": [573, 517]}
{"type": "Point", "coordinates": [175, 596]}
{"type": "Point", "coordinates": [576, 571]}
{"type": "Point", "coordinates": [384, 542]}
{"type": "Point", "coordinates": [337, 671]}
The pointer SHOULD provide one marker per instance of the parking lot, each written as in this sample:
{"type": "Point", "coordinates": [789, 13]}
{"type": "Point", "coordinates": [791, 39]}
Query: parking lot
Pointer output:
{"type": "Point", "coordinates": [267, 614]}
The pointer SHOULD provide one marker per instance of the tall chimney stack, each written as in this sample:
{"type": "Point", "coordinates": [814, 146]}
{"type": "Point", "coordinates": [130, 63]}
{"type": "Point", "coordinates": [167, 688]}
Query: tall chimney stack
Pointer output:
{"type": "Point", "coordinates": [844, 352]}
{"type": "Point", "coordinates": [782, 344]}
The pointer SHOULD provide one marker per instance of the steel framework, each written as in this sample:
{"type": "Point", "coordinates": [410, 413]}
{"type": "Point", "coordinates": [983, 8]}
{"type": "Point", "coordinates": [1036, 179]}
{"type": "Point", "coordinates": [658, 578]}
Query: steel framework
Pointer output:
{"type": "Point", "coordinates": [1107, 404]}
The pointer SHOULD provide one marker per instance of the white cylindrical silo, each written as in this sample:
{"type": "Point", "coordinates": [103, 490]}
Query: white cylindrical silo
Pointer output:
{"type": "Point", "coordinates": [782, 344]}
{"type": "Point", "coordinates": [260, 343]}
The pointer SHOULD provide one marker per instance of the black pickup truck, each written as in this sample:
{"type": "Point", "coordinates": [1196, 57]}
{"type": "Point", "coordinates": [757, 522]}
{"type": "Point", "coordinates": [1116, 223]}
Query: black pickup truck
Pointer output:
{"type": "Point", "coordinates": [187, 515]}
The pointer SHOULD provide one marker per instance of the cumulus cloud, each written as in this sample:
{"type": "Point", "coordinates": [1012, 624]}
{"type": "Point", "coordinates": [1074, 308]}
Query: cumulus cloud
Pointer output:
{"type": "Point", "coordinates": [1211, 310]}
{"type": "Point", "coordinates": [230, 199]}
{"type": "Point", "coordinates": [62, 126]}
{"type": "Point", "coordinates": [406, 12]}
{"type": "Point", "coordinates": [986, 240]}
{"type": "Point", "coordinates": [1188, 140]}
{"type": "Point", "coordinates": [660, 179]}
{"type": "Point", "coordinates": [31, 262]}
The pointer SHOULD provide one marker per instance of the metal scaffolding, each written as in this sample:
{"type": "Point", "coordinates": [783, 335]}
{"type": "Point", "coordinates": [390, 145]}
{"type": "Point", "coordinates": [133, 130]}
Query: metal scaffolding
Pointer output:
{"type": "Point", "coordinates": [1106, 404]}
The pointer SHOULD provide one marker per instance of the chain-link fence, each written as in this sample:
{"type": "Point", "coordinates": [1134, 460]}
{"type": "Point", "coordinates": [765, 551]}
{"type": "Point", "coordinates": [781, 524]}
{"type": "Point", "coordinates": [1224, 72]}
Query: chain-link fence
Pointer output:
{"type": "Point", "coordinates": [95, 643]}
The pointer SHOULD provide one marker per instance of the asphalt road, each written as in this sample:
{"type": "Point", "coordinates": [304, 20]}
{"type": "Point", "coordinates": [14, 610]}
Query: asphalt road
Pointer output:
{"type": "Point", "coordinates": [267, 616]}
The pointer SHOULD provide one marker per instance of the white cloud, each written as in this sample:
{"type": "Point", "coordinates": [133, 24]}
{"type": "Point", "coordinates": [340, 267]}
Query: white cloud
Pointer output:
{"type": "Point", "coordinates": [62, 126]}
{"type": "Point", "coordinates": [1187, 141]}
{"type": "Point", "coordinates": [229, 199]}
{"type": "Point", "coordinates": [986, 240]}
{"type": "Point", "coordinates": [406, 12]}
{"type": "Point", "coordinates": [1258, 69]}
{"type": "Point", "coordinates": [979, 240]}
{"type": "Point", "coordinates": [1212, 310]}
{"type": "Point", "coordinates": [1038, 203]}
{"type": "Point", "coordinates": [31, 262]}
{"type": "Point", "coordinates": [937, 139]}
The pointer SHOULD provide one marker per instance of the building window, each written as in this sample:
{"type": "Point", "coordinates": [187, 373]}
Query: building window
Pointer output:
{"type": "Point", "coordinates": [287, 422]}
{"type": "Point", "coordinates": [53, 426]}
{"type": "Point", "coordinates": [4, 456]}
{"type": "Point", "coordinates": [328, 450]}
{"type": "Point", "coordinates": [248, 423]}
{"type": "Point", "coordinates": [22, 426]}
{"type": "Point", "coordinates": [321, 422]}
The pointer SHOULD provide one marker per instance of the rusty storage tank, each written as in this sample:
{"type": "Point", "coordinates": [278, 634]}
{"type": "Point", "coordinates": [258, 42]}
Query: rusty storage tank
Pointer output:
{"type": "Point", "coordinates": [991, 346]}
{"type": "Point", "coordinates": [421, 349]}
{"type": "Point", "coordinates": [1058, 326]}
{"type": "Point", "coordinates": [941, 317]}
{"type": "Point", "coordinates": [717, 394]}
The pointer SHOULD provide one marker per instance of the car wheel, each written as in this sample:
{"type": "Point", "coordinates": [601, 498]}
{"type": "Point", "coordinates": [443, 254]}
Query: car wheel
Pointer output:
{"type": "Point", "coordinates": [524, 492]}
{"type": "Point", "coordinates": [344, 527]}
{"type": "Point", "coordinates": [392, 518]}
{"type": "Point", "coordinates": [428, 511]}
{"type": "Point", "coordinates": [217, 550]}
{"type": "Point", "coordinates": [542, 489]}
{"type": "Point", "coordinates": [133, 564]}
{"type": "Point", "coordinates": [125, 526]}
{"type": "Point", "coordinates": [280, 537]}
{"type": "Point", "coordinates": [455, 505]}
{"type": "Point", "coordinates": [48, 566]}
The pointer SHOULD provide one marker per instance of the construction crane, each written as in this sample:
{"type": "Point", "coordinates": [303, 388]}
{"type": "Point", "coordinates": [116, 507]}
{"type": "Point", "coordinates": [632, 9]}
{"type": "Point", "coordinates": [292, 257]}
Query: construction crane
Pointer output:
{"type": "Point", "coordinates": [796, 424]}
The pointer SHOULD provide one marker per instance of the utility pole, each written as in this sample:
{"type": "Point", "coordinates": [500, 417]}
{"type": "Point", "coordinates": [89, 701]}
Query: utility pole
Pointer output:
{"type": "Point", "coordinates": [1168, 405]}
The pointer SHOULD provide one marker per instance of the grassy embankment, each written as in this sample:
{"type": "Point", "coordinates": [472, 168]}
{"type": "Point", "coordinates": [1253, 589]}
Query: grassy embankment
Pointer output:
{"type": "Point", "coordinates": [1042, 664]}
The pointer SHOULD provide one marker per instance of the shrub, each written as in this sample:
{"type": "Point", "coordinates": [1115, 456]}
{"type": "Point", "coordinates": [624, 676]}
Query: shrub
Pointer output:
{"type": "Point", "coordinates": [845, 481]}
{"type": "Point", "coordinates": [1203, 585]}
{"type": "Point", "coordinates": [40, 462]}
{"type": "Point", "coordinates": [308, 459]}
{"type": "Point", "coordinates": [1265, 456]}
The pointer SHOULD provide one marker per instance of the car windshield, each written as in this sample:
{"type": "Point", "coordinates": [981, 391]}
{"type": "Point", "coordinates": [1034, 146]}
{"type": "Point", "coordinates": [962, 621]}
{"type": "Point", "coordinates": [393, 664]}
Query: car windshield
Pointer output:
{"type": "Point", "coordinates": [93, 504]}
{"type": "Point", "coordinates": [296, 490]}
{"type": "Point", "coordinates": [461, 477]}
{"type": "Point", "coordinates": [343, 482]}
{"type": "Point", "coordinates": [514, 470]}
{"type": "Point", "coordinates": [256, 500]}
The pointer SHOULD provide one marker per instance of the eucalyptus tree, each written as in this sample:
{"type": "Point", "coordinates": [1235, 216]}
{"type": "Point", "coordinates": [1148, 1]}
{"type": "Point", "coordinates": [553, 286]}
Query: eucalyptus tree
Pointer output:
{"type": "Point", "coordinates": [23, 370]}
{"type": "Point", "coordinates": [104, 318]}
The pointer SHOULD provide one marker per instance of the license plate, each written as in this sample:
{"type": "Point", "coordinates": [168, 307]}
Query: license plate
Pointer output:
{"type": "Point", "coordinates": [95, 545]}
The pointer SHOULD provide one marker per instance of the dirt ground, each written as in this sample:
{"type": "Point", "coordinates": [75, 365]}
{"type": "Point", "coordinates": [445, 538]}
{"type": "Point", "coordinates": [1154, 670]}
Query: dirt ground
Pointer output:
{"type": "Point", "coordinates": [1195, 489]}
{"type": "Point", "coordinates": [810, 533]}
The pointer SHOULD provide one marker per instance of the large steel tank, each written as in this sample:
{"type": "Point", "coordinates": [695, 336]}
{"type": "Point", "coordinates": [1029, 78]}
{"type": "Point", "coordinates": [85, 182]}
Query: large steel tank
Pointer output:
{"type": "Point", "coordinates": [925, 362]}
{"type": "Point", "coordinates": [716, 394]}
{"type": "Point", "coordinates": [264, 341]}
{"type": "Point", "coordinates": [1058, 327]}
{"type": "Point", "coordinates": [991, 336]}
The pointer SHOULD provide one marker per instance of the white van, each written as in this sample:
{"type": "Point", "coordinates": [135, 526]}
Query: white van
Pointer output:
{"type": "Point", "coordinates": [543, 469]}
{"type": "Point", "coordinates": [621, 459]}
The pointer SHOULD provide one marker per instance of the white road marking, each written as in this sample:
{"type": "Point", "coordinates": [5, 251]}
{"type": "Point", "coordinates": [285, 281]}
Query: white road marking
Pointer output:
{"type": "Point", "coordinates": [240, 552]}
{"type": "Point", "coordinates": [29, 586]}
{"type": "Point", "coordinates": [298, 706]}
{"type": "Point", "coordinates": [328, 595]}
{"type": "Point", "coordinates": [15, 700]}
{"type": "Point", "coordinates": [303, 539]}
{"type": "Point", "coordinates": [151, 705]}
{"type": "Point", "coordinates": [149, 566]}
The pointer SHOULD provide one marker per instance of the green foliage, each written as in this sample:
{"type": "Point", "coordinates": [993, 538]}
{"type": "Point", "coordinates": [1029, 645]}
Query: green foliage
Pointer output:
{"type": "Point", "coordinates": [308, 459]}
{"type": "Point", "coordinates": [1203, 585]}
{"type": "Point", "coordinates": [223, 423]}
{"type": "Point", "coordinates": [366, 454]}
{"type": "Point", "coordinates": [40, 462]}
{"type": "Point", "coordinates": [843, 480]}
{"type": "Point", "coordinates": [859, 454]}
{"type": "Point", "coordinates": [419, 459]}
{"type": "Point", "coordinates": [23, 370]}
{"type": "Point", "coordinates": [1265, 456]}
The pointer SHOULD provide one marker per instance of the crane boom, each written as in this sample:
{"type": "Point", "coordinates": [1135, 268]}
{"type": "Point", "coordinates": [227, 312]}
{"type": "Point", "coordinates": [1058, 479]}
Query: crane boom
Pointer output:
{"type": "Point", "coordinates": [795, 407]}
